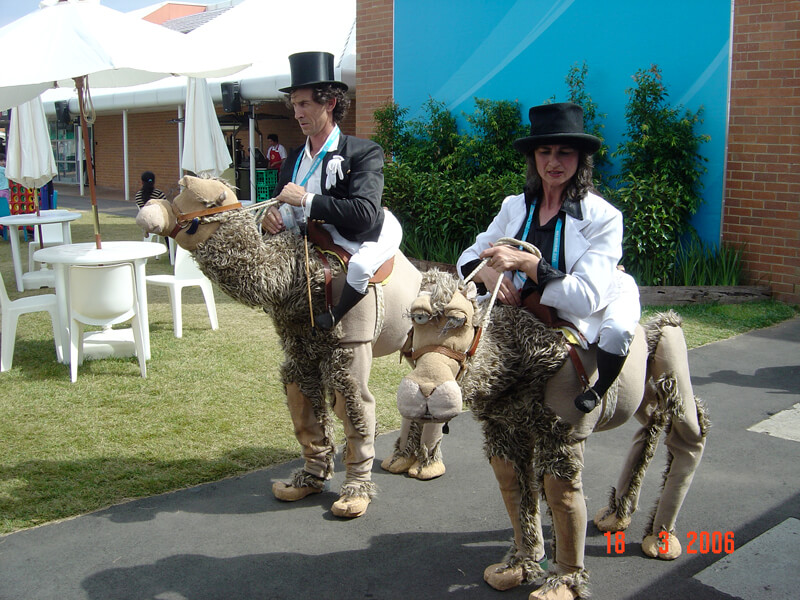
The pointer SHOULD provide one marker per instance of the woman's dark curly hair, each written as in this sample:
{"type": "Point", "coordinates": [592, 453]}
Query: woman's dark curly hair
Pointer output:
{"type": "Point", "coordinates": [578, 186]}
{"type": "Point", "coordinates": [323, 92]}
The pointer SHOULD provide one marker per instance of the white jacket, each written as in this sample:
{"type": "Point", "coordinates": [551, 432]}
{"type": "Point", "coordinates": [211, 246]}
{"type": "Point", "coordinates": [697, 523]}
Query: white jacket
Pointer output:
{"type": "Point", "coordinates": [592, 250]}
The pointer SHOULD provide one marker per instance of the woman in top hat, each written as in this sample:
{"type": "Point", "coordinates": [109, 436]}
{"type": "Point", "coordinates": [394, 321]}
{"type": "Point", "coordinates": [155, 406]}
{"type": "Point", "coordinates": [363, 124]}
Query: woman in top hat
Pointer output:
{"type": "Point", "coordinates": [579, 235]}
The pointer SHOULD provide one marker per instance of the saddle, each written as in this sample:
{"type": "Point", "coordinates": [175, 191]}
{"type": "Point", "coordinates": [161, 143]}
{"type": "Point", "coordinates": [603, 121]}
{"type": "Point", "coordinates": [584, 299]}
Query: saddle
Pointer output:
{"type": "Point", "coordinates": [325, 246]}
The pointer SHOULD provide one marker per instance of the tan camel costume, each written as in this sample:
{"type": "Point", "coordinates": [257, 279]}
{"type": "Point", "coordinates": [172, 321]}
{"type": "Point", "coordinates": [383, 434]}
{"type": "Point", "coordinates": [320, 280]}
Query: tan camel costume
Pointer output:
{"type": "Point", "coordinates": [520, 384]}
{"type": "Point", "coordinates": [269, 272]}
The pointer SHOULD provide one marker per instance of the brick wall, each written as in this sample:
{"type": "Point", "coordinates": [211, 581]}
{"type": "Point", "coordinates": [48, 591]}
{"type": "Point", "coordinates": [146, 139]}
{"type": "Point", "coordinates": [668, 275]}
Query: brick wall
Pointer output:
{"type": "Point", "coordinates": [375, 60]}
{"type": "Point", "coordinates": [152, 146]}
{"type": "Point", "coordinates": [762, 188]}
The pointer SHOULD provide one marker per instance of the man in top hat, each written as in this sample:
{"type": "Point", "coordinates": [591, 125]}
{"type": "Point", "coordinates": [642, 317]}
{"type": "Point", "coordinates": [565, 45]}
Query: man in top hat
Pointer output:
{"type": "Point", "coordinates": [336, 180]}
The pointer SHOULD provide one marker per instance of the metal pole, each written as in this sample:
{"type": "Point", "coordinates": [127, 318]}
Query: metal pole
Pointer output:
{"type": "Point", "coordinates": [125, 154]}
{"type": "Point", "coordinates": [89, 162]}
{"type": "Point", "coordinates": [252, 132]}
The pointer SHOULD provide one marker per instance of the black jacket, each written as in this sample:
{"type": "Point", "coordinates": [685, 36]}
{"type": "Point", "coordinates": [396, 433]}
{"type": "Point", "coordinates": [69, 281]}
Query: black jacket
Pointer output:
{"type": "Point", "coordinates": [353, 205]}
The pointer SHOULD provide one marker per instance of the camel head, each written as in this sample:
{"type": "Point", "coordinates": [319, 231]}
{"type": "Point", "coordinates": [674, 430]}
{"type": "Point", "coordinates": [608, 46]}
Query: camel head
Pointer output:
{"type": "Point", "coordinates": [185, 217]}
{"type": "Point", "coordinates": [443, 330]}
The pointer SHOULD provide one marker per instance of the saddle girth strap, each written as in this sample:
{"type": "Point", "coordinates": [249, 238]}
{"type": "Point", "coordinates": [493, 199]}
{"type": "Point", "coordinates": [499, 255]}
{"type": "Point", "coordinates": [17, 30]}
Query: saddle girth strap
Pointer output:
{"type": "Point", "coordinates": [576, 362]}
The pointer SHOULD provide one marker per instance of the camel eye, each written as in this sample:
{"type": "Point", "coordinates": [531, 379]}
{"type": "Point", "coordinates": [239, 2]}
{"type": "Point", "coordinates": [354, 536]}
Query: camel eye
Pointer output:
{"type": "Point", "coordinates": [420, 318]}
{"type": "Point", "coordinates": [456, 322]}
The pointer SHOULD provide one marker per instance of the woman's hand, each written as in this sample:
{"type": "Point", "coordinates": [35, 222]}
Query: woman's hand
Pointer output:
{"type": "Point", "coordinates": [507, 258]}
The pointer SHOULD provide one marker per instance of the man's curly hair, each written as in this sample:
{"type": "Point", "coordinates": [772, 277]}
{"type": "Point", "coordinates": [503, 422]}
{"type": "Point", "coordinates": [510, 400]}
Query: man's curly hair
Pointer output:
{"type": "Point", "coordinates": [323, 92]}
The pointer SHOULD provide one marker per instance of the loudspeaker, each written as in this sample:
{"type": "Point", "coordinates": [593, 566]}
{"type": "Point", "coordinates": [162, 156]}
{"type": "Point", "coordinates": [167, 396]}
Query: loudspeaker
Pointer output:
{"type": "Point", "coordinates": [62, 112]}
{"type": "Point", "coordinates": [231, 100]}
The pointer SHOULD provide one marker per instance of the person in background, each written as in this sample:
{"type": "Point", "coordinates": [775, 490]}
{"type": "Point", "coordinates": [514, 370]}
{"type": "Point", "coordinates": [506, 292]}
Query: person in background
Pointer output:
{"type": "Point", "coordinates": [276, 153]}
{"type": "Point", "coordinates": [148, 190]}
{"type": "Point", "coordinates": [4, 190]}
{"type": "Point", "coordinates": [580, 237]}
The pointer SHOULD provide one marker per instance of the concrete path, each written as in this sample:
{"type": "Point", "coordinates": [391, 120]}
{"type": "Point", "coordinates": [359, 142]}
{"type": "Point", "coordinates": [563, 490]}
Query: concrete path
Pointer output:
{"type": "Point", "coordinates": [232, 540]}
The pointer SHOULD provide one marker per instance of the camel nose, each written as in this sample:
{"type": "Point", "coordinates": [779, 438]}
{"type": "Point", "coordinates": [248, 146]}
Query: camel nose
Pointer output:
{"type": "Point", "coordinates": [441, 402]}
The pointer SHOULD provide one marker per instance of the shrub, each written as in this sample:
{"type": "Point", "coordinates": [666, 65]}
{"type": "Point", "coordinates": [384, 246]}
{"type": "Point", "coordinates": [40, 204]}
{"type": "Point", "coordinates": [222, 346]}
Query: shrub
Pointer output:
{"type": "Point", "coordinates": [659, 184]}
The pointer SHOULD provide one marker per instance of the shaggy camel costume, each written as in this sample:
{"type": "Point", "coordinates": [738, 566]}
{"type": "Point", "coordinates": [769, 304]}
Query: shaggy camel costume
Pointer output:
{"type": "Point", "coordinates": [520, 385]}
{"type": "Point", "coordinates": [269, 272]}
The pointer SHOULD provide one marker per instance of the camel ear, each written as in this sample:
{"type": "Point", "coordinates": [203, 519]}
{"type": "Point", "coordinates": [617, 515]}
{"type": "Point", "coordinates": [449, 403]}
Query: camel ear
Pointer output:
{"type": "Point", "coordinates": [471, 292]}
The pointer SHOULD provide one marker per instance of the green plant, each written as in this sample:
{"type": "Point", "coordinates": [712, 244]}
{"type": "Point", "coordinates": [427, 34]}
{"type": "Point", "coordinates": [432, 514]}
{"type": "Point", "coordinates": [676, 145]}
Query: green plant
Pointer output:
{"type": "Point", "coordinates": [443, 186]}
{"type": "Point", "coordinates": [699, 264]}
{"type": "Point", "coordinates": [659, 183]}
{"type": "Point", "coordinates": [576, 82]}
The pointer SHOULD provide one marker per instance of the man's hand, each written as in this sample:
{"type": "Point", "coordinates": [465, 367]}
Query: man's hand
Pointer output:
{"type": "Point", "coordinates": [272, 221]}
{"type": "Point", "coordinates": [292, 194]}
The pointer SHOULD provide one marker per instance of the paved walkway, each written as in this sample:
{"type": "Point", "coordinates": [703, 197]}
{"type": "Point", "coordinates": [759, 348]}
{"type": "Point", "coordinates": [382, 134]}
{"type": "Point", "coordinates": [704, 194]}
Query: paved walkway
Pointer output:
{"type": "Point", "coordinates": [108, 200]}
{"type": "Point", "coordinates": [231, 539]}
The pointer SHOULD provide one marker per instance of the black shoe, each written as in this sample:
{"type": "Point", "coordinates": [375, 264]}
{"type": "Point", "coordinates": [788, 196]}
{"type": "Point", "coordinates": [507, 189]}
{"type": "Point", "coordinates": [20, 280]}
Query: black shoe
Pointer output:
{"type": "Point", "coordinates": [328, 320]}
{"type": "Point", "coordinates": [587, 401]}
{"type": "Point", "coordinates": [325, 321]}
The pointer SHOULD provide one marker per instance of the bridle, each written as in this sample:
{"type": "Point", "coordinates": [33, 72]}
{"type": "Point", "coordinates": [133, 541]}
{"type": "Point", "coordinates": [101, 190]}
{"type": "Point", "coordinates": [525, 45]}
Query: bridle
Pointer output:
{"type": "Point", "coordinates": [191, 221]}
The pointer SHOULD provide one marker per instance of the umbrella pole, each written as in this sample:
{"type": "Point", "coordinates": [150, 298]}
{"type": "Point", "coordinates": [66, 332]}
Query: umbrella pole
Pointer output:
{"type": "Point", "coordinates": [87, 151]}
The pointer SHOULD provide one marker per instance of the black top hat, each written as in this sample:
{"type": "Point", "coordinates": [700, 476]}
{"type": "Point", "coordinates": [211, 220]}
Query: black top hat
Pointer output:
{"type": "Point", "coordinates": [311, 68]}
{"type": "Point", "coordinates": [557, 124]}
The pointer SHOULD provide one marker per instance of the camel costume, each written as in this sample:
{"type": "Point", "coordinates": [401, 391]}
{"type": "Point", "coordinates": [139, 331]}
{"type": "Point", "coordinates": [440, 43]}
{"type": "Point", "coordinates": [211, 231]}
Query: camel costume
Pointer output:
{"type": "Point", "coordinates": [516, 376]}
{"type": "Point", "coordinates": [322, 371]}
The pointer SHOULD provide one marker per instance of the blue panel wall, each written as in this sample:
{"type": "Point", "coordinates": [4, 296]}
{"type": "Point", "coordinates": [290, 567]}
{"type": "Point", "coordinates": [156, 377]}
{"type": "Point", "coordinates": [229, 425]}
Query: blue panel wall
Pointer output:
{"type": "Point", "coordinates": [456, 50]}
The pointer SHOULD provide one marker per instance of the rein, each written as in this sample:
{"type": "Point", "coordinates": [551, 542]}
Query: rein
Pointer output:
{"type": "Point", "coordinates": [192, 219]}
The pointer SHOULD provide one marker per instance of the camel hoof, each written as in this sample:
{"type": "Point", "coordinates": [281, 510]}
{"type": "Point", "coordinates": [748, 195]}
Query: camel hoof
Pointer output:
{"type": "Point", "coordinates": [397, 464]}
{"type": "Point", "coordinates": [350, 507]}
{"type": "Point", "coordinates": [502, 577]}
{"type": "Point", "coordinates": [288, 493]}
{"type": "Point", "coordinates": [431, 471]}
{"type": "Point", "coordinates": [607, 520]}
{"type": "Point", "coordinates": [558, 592]}
{"type": "Point", "coordinates": [655, 546]}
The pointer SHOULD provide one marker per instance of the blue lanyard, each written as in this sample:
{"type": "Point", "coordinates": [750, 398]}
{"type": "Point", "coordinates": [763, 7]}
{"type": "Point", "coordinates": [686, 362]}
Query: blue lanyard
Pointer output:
{"type": "Point", "coordinates": [317, 159]}
{"type": "Point", "coordinates": [556, 239]}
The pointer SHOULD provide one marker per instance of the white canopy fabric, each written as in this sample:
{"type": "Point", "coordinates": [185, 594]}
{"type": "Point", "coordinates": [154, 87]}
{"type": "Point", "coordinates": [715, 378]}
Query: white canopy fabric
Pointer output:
{"type": "Point", "coordinates": [29, 155]}
{"type": "Point", "coordinates": [79, 37]}
{"type": "Point", "coordinates": [204, 148]}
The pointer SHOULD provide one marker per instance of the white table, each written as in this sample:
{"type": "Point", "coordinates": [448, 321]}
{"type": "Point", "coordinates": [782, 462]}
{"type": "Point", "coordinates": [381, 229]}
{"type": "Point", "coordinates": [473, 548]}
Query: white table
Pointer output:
{"type": "Point", "coordinates": [35, 280]}
{"type": "Point", "coordinates": [110, 342]}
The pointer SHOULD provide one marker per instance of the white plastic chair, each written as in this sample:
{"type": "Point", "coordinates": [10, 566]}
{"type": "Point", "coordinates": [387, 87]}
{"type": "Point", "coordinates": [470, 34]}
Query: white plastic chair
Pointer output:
{"type": "Point", "coordinates": [102, 295]}
{"type": "Point", "coordinates": [168, 241]}
{"type": "Point", "coordinates": [52, 235]}
{"type": "Point", "coordinates": [187, 274]}
{"type": "Point", "coordinates": [12, 309]}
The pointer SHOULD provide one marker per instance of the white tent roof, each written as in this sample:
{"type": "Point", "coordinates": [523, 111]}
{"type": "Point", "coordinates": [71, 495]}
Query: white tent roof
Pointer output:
{"type": "Point", "coordinates": [329, 23]}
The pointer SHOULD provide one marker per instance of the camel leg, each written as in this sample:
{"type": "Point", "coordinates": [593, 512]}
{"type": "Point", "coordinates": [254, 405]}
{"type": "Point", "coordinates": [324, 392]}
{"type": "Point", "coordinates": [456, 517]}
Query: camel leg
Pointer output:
{"type": "Point", "coordinates": [429, 464]}
{"type": "Point", "coordinates": [685, 439]}
{"type": "Point", "coordinates": [313, 431]}
{"type": "Point", "coordinates": [624, 498]}
{"type": "Point", "coordinates": [568, 509]}
{"type": "Point", "coordinates": [357, 412]}
{"type": "Point", "coordinates": [404, 454]}
{"type": "Point", "coordinates": [521, 564]}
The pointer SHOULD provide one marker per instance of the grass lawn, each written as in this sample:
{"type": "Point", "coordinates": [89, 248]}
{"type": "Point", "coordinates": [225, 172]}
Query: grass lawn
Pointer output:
{"type": "Point", "coordinates": [212, 405]}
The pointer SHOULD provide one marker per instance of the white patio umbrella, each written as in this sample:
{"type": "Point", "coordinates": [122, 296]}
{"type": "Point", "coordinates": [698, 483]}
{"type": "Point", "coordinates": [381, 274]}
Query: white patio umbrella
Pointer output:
{"type": "Point", "coordinates": [29, 155]}
{"type": "Point", "coordinates": [204, 148]}
{"type": "Point", "coordinates": [78, 41]}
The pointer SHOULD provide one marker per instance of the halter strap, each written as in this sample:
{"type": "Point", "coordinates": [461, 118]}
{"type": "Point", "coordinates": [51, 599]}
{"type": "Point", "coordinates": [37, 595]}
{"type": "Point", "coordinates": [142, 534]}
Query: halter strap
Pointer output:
{"type": "Point", "coordinates": [182, 220]}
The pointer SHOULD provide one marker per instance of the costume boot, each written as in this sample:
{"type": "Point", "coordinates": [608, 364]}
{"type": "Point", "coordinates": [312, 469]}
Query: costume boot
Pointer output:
{"type": "Point", "coordinates": [608, 368]}
{"type": "Point", "coordinates": [350, 297]}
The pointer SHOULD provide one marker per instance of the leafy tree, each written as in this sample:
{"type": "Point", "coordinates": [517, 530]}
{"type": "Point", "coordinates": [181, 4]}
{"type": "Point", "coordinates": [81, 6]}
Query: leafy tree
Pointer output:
{"type": "Point", "coordinates": [658, 188]}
